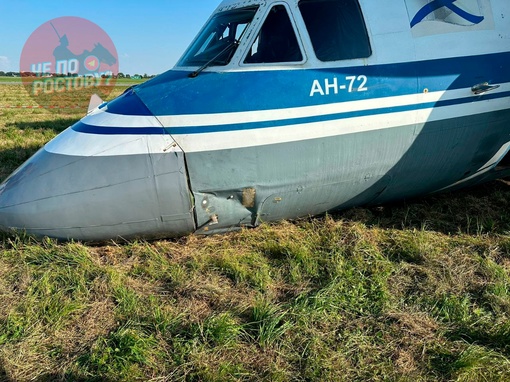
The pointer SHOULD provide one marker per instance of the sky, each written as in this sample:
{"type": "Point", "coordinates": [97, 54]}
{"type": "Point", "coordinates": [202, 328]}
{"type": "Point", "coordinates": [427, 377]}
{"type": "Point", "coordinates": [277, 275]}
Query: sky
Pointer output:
{"type": "Point", "coordinates": [150, 36]}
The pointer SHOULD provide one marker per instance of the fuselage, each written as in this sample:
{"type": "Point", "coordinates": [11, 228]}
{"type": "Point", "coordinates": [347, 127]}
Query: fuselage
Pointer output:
{"type": "Point", "coordinates": [385, 101]}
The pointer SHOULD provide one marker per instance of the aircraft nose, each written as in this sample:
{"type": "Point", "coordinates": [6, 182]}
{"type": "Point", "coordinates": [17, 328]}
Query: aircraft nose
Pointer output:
{"type": "Point", "coordinates": [96, 187]}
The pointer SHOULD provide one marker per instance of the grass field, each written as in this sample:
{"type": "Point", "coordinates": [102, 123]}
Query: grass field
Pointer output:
{"type": "Point", "coordinates": [120, 80]}
{"type": "Point", "coordinates": [415, 291]}
{"type": "Point", "coordinates": [9, 79]}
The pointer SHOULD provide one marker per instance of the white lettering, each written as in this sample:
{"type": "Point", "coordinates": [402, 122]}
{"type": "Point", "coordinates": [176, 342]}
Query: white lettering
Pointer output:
{"type": "Point", "coordinates": [46, 67]}
{"type": "Point", "coordinates": [49, 86]}
{"type": "Point", "coordinates": [74, 66]}
{"type": "Point", "coordinates": [331, 86]}
{"type": "Point", "coordinates": [36, 69]}
{"type": "Point", "coordinates": [60, 85]}
{"type": "Point", "coordinates": [316, 88]}
{"type": "Point", "coordinates": [62, 67]}
{"type": "Point", "coordinates": [52, 85]}
{"type": "Point", "coordinates": [79, 83]}
{"type": "Point", "coordinates": [37, 87]}
{"type": "Point", "coordinates": [90, 82]}
{"type": "Point", "coordinates": [362, 87]}
{"type": "Point", "coordinates": [351, 84]}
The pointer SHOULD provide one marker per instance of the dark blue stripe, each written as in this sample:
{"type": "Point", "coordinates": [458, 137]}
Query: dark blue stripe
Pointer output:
{"type": "Point", "coordinates": [89, 129]}
{"type": "Point", "coordinates": [84, 128]}
{"type": "Point", "coordinates": [468, 16]}
{"type": "Point", "coordinates": [424, 12]}
{"type": "Point", "coordinates": [329, 117]}
{"type": "Point", "coordinates": [436, 4]}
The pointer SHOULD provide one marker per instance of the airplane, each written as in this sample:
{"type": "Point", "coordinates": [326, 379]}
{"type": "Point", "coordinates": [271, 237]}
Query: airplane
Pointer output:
{"type": "Point", "coordinates": [282, 109]}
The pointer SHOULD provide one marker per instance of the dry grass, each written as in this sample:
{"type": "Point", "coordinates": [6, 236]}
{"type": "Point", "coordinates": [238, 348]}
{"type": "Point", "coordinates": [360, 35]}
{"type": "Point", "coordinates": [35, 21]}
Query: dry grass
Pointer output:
{"type": "Point", "coordinates": [416, 291]}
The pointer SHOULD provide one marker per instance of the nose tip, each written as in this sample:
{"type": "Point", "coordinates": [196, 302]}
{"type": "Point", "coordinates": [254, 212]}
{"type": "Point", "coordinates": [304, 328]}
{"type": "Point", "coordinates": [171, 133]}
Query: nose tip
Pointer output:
{"type": "Point", "coordinates": [97, 197]}
{"type": "Point", "coordinates": [4, 203]}
{"type": "Point", "coordinates": [46, 197]}
{"type": "Point", "coordinates": [18, 193]}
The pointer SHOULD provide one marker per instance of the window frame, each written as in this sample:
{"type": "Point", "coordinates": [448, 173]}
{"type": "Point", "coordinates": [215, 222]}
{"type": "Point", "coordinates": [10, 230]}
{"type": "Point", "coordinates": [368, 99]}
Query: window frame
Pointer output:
{"type": "Point", "coordinates": [256, 32]}
{"type": "Point", "coordinates": [309, 42]}
{"type": "Point", "coordinates": [181, 63]}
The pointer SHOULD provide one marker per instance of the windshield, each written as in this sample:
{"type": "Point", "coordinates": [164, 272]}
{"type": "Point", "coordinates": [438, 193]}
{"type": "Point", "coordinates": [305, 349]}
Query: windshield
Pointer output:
{"type": "Point", "coordinates": [218, 42]}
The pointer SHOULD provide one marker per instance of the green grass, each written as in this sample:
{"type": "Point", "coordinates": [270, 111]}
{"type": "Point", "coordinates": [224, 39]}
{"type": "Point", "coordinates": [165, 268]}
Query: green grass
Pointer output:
{"type": "Point", "coordinates": [413, 291]}
{"type": "Point", "coordinates": [10, 79]}
{"type": "Point", "coordinates": [119, 80]}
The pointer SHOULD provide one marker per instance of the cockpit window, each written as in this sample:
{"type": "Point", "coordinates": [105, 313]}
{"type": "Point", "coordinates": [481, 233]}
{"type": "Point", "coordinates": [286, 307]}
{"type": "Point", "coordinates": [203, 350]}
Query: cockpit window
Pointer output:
{"type": "Point", "coordinates": [276, 42]}
{"type": "Point", "coordinates": [336, 28]}
{"type": "Point", "coordinates": [219, 40]}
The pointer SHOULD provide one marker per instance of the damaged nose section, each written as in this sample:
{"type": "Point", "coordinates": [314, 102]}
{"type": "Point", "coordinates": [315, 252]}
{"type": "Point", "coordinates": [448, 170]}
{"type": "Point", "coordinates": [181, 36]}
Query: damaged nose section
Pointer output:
{"type": "Point", "coordinates": [96, 187]}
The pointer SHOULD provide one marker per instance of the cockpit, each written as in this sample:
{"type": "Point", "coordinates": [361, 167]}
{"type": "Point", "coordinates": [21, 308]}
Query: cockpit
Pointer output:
{"type": "Point", "coordinates": [324, 30]}
{"type": "Point", "coordinates": [220, 38]}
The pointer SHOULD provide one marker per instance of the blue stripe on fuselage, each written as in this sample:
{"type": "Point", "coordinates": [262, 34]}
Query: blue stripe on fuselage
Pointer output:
{"type": "Point", "coordinates": [84, 128]}
{"type": "Point", "coordinates": [174, 93]}
{"type": "Point", "coordinates": [326, 118]}
{"type": "Point", "coordinates": [81, 127]}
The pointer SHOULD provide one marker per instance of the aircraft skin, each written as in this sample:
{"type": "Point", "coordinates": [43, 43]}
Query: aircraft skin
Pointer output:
{"type": "Point", "coordinates": [214, 148]}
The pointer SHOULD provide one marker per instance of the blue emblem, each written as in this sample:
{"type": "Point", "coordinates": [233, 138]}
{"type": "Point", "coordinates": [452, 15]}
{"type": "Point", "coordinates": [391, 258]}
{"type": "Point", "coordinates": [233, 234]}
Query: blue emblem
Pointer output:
{"type": "Point", "coordinates": [436, 4]}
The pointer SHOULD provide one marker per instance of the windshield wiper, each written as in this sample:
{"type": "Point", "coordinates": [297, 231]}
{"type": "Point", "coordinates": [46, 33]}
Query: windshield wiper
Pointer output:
{"type": "Point", "coordinates": [233, 44]}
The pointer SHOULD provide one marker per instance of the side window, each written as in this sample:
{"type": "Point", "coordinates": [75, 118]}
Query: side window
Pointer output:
{"type": "Point", "coordinates": [276, 41]}
{"type": "Point", "coordinates": [336, 28]}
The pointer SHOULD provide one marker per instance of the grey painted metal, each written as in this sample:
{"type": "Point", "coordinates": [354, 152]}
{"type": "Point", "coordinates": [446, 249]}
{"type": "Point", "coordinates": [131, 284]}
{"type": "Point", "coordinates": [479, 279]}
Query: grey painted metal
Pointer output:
{"type": "Point", "coordinates": [311, 177]}
{"type": "Point", "coordinates": [96, 198]}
